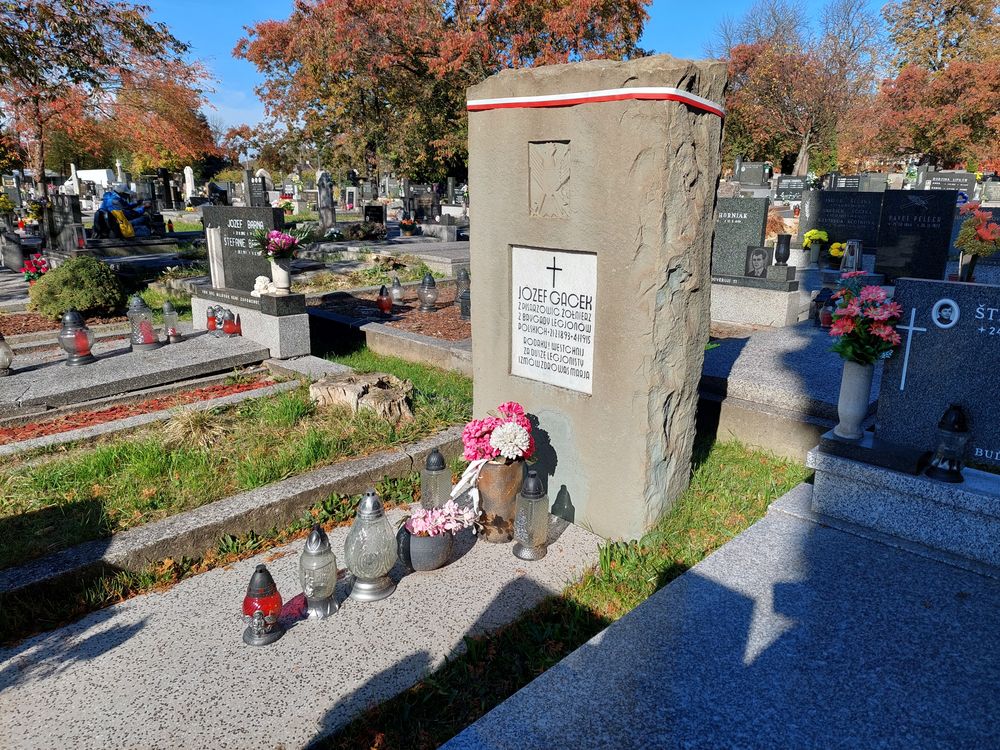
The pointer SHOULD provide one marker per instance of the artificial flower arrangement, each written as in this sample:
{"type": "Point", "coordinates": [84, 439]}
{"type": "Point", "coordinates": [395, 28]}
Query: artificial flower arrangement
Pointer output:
{"type": "Point", "coordinates": [449, 518]}
{"type": "Point", "coordinates": [978, 236]}
{"type": "Point", "coordinates": [285, 205]}
{"type": "Point", "coordinates": [814, 235]}
{"type": "Point", "coordinates": [276, 244]}
{"type": "Point", "coordinates": [34, 268]}
{"type": "Point", "coordinates": [502, 437]}
{"type": "Point", "coordinates": [864, 322]}
{"type": "Point", "coordinates": [407, 225]}
{"type": "Point", "coordinates": [837, 249]}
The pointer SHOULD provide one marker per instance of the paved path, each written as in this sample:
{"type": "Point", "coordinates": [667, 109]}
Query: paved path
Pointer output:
{"type": "Point", "coordinates": [13, 291]}
{"type": "Point", "coordinates": [793, 635]}
{"type": "Point", "coordinates": [170, 670]}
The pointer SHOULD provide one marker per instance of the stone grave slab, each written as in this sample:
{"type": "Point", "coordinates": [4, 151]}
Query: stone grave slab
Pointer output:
{"type": "Point", "coordinates": [739, 224]}
{"type": "Point", "coordinates": [184, 646]}
{"type": "Point", "coordinates": [950, 353]}
{"type": "Point", "coordinates": [241, 263]}
{"type": "Point", "coordinates": [793, 635]}
{"type": "Point", "coordinates": [121, 371]}
{"type": "Point", "coordinates": [914, 237]}
{"type": "Point", "coordinates": [843, 215]}
{"type": "Point", "coordinates": [633, 295]}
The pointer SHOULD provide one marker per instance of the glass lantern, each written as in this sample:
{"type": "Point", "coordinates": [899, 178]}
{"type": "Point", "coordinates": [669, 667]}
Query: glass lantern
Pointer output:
{"type": "Point", "coordinates": [370, 551]}
{"type": "Point", "coordinates": [170, 324]}
{"type": "Point", "coordinates": [396, 291]}
{"type": "Point", "coordinates": [531, 519]}
{"type": "Point", "coordinates": [435, 481]}
{"type": "Point", "coordinates": [76, 339]}
{"type": "Point", "coordinates": [384, 301]}
{"type": "Point", "coordinates": [318, 575]}
{"type": "Point", "coordinates": [852, 256]}
{"type": "Point", "coordinates": [428, 293]}
{"type": "Point", "coordinates": [462, 282]}
{"type": "Point", "coordinates": [6, 357]}
{"type": "Point", "coordinates": [140, 318]}
{"type": "Point", "coordinates": [210, 318]}
{"type": "Point", "coordinates": [228, 323]}
{"type": "Point", "coordinates": [220, 318]}
{"type": "Point", "coordinates": [261, 609]}
{"type": "Point", "coordinates": [953, 435]}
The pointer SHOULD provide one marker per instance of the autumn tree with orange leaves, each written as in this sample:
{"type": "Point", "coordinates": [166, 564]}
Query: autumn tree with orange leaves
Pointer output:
{"type": "Point", "coordinates": [384, 81]}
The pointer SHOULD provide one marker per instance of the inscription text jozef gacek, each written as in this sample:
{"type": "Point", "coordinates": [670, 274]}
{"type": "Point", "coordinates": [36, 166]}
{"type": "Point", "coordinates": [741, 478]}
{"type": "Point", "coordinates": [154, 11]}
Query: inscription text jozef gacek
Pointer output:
{"type": "Point", "coordinates": [554, 308]}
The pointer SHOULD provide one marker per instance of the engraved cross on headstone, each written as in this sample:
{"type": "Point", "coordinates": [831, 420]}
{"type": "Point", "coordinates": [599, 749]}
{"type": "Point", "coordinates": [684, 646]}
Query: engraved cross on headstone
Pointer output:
{"type": "Point", "coordinates": [553, 268]}
{"type": "Point", "coordinates": [909, 338]}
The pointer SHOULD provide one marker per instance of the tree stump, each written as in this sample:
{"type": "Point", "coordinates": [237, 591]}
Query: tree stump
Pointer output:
{"type": "Point", "coordinates": [385, 394]}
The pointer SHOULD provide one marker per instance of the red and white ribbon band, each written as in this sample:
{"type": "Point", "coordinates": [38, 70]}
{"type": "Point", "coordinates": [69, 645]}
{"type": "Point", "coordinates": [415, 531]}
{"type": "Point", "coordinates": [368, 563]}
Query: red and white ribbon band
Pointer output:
{"type": "Point", "coordinates": [645, 93]}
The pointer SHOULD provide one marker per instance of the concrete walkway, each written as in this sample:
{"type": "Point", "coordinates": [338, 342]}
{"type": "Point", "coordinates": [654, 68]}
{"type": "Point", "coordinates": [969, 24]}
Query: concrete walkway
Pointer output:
{"type": "Point", "coordinates": [793, 635]}
{"type": "Point", "coordinates": [169, 670]}
{"type": "Point", "coordinates": [13, 291]}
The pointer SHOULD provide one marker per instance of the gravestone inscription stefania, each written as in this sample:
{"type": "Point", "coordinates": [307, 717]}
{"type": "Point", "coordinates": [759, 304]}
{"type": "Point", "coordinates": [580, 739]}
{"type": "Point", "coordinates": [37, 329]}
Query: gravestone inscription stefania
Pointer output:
{"type": "Point", "coordinates": [949, 354]}
{"type": "Point", "coordinates": [241, 263]}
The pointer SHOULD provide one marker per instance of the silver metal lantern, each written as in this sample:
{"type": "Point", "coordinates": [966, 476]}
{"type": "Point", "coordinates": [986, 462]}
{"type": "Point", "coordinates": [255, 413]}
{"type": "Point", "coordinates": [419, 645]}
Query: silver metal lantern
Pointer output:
{"type": "Point", "coordinates": [428, 293]}
{"type": "Point", "coordinates": [435, 481]}
{"type": "Point", "coordinates": [531, 519]}
{"type": "Point", "coordinates": [370, 551]}
{"type": "Point", "coordinates": [318, 575]}
{"type": "Point", "coordinates": [171, 324]}
{"type": "Point", "coordinates": [76, 339]}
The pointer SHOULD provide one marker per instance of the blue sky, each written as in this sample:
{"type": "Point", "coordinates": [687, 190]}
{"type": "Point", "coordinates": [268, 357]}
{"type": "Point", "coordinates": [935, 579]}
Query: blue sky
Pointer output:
{"type": "Point", "coordinates": [677, 27]}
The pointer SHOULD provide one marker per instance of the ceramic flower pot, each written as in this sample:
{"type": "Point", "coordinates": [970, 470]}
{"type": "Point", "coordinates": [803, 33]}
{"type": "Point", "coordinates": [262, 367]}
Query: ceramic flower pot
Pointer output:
{"type": "Point", "coordinates": [498, 485]}
{"type": "Point", "coordinates": [423, 553]}
{"type": "Point", "coordinates": [281, 274]}
{"type": "Point", "coordinates": [852, 406]}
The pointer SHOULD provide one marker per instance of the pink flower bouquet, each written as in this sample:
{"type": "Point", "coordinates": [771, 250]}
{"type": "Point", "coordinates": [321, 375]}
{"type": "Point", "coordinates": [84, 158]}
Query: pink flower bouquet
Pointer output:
{"type": "Point", "coordinates": [864, 322]}
{"type": "Point", "coordinates": [276, 244]}
{"type": "Point", "coordinates": [449, 518]}
{"type": "Point", "coordinates": [506, 435]}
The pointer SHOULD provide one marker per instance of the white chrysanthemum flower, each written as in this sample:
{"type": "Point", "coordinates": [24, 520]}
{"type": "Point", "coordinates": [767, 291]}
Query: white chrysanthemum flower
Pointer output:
{"type": "Point", "coordinates": [510, 439]}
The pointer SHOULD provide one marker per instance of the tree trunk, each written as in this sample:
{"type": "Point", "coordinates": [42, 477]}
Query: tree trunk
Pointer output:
{"type": "Point", "coordinates": [802, 160]}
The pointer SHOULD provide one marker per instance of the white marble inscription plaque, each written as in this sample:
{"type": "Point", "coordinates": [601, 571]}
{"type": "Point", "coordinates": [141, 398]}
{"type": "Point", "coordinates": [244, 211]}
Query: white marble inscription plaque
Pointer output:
{"type": "Point", "coordinates": [554, 298]}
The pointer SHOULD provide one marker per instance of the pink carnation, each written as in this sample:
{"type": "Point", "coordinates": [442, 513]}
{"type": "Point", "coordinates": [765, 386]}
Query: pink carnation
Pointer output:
{"type": "Point", "coordinates": [852, 274]}
{"type": "Point", "coordinates": [873, 294]}
{"type": "Point", "coordinates": [842, 326]}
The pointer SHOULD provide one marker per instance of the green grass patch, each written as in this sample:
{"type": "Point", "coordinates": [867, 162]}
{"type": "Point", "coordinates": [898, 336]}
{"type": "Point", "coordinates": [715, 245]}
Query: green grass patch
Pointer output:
{"type": "Point", "coordinates": [91, 491]}
{"type": "Point", "coordinates": [731, 489]}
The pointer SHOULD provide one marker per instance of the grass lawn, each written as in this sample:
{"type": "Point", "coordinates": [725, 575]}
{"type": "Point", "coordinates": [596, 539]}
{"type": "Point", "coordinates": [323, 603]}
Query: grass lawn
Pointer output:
{"type": "Point", "coordinates": [731, 489]}
{"type": "Point", "coordinates": [64, 497]}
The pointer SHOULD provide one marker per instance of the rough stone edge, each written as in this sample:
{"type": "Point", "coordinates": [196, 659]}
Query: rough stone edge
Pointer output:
{"type": "Point", "coordinates": [797, 502]}
{"type": "Point", "coordinates": [192, 533]}
{"type": "Point", "coordinates": [139, 420]}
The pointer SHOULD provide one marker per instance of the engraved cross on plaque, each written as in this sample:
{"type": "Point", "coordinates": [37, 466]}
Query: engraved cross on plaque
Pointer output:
{"type": "Point", "coordinates": [553, 268]}
{"type": "Point", "coordinates": [909, 338]}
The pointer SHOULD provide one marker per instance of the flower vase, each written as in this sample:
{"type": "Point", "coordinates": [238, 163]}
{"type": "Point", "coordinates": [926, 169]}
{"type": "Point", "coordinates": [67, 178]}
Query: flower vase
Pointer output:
{"type": "Point", "coordinates": [815, 248]}
{"type": "Point", "coordinates": [281, 274]}
{"type": "Point", "coordinates": [498, 484]}
{"type": "Point", "coordinates": [852, 406]}
{"type": "Point", "coordinates": [423, 553]}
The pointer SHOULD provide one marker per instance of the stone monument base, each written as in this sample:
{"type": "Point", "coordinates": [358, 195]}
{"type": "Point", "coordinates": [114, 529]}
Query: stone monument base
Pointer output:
{"type": "Point", "coordinates": [278, 322]}
{"type": "Point", "coordinates": [757, 305]}
{"type": "Point", "coordinates": [963, 519]}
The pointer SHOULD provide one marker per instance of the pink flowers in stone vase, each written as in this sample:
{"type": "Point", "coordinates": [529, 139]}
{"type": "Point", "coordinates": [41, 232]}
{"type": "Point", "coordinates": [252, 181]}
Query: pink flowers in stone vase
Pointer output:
{"type": "Point", "coordinates": [450, 518]}
{"type": "Point", "coordinates": [276, 244]}
{"type": "Point", "coordinates": [506, 435]}
{"type": "Point", "coordinates": [864, 322]}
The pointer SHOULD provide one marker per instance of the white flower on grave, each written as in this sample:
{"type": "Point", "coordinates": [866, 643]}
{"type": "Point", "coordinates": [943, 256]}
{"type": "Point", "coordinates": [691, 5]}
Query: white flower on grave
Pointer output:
{"type": "Point", "coordinates": [510, 439]}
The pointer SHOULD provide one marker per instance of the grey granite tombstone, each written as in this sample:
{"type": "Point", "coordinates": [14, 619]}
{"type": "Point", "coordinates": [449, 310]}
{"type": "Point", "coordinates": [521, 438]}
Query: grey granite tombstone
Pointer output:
{"type": "Point", "coordinates": [739, 224]}
{"type": "Point", "coordinates": [12, 187]}
{"type": "Point", "coordinates": [241, 263]}
{"type": "Point", "coordinates": [991, 191]}
{"type": "Point", "coordinates": [426, 206]}
{"type": "Point", "coordinates": [964, 181]}
{"type": "Point", "coordinates": [790, 189]}
{"type": "Point", "coordinates": [843, 215]}
{"type": "Point", "coordinates": [375, 213]}
{"type": "Point", "coordinates": [751, 173]}
{"type": "Point", "coordinates": [950, 354]}
{"type": "Point", "coordinates": [873, 182]}
{"type": "Point", "coordinates": [324, 201]}
{"type": "Point", "coordinates": [915, 233]}
{"type": "Point", "coordinates": [64, 217]}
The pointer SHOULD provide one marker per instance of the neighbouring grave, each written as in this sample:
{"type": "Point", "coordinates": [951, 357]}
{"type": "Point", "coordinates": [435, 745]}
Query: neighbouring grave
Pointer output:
{"type": "Point", "coordinates": [874, 182]}
{"type": "Point", "coordinates": [843, 215]}
{"type": "Point", "coordinates": [752, 172]}
{"type": "Point", "coordinates": [592, 345]}
{"type": "Point", "coordinates": [963, 181]}
{"type": "Point", "coordinates": [914, 237]}
{"type": "Point", "coordinates": [740, 223]}
{"type": "Point", "coordinates": [375, 213]}
{"type": "Point", "coordinates": [845, 182]}
{"type": "Point", "coordinates": [949, 354]}
{"type": "Point", "coordinates": [254, 190]}
{"type": "Point", "coordinates": [279, 322]}
{"type": "Point", "coordinates": [325, 204]}
{"type": "Point", "coordinates": [789, 189]}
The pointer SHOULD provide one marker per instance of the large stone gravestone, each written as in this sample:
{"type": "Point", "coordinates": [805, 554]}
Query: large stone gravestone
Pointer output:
{"type": "Point", "coordinates": [325, 204]}
{"type": "Point", "coordinates": [740, 223]}
{"type": "Point", "coordinates": [426, 206]}
{"type": "Point", "coordinates": [843, 215]}
{"type": "Point", "coordinates": [950, 354]}
{"type": "Point", "coordinates": [241, 263]}
{"type": "Point", "coordinates": [598, 328]}
{"type": "Point", "coordinates": [12, 188]}
{"type": "Point", "coordinates": [915, 233]}
{"type": "Point", "coordinates": [65, 219]}
{"type": "Point", "coordinates": [845, 182]}
{"type": "Point", "coordinates": [375, 213]}
{"type": "Point", "coordinates": [789, 189]}
{"type": "Point", "coordinates": [751, 173]}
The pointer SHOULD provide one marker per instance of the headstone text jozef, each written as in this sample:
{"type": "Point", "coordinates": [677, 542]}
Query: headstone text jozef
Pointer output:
{"type": "Point", "coordinates": [596, 325]}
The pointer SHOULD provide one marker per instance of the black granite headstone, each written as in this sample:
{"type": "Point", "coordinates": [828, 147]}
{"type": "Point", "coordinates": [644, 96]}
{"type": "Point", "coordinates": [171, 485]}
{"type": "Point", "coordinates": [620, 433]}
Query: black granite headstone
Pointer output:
{"type": "Point", "coordinates": [964, 181]}
{"type": "Point", "coordinates": [915, 233]}
{"type": "Point", "coordinates": [12, 188]}
{"type": "Point", "coordinates": [739, 224]}
{"type": "Point", "coordinates": [375, 213]}
{"type": "Point", "coordinates": [751, 173]}
{"type": "Point", "coordinates": [65, 216]}
{"type": "Point", "coordinates": [950, 354]}
{"type": "Point", "coordinates": [842, 215]}
{"type": "Point", "coordinates": [846, 182]}
{"type": "Point", "coordinates": [241, 263]}
{"type": "Point", "coordinates": [790, 189]}
{"type": "Point", "coordinates": [426, 206]}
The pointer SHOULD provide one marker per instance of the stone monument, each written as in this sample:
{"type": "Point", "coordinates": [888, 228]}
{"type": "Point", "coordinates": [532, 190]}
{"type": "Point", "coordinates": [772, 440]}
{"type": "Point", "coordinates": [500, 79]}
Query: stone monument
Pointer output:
{"type": "Point", "coordinates": [598, 328]}
{"type": "Point", "coordinates": [325, 203]}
